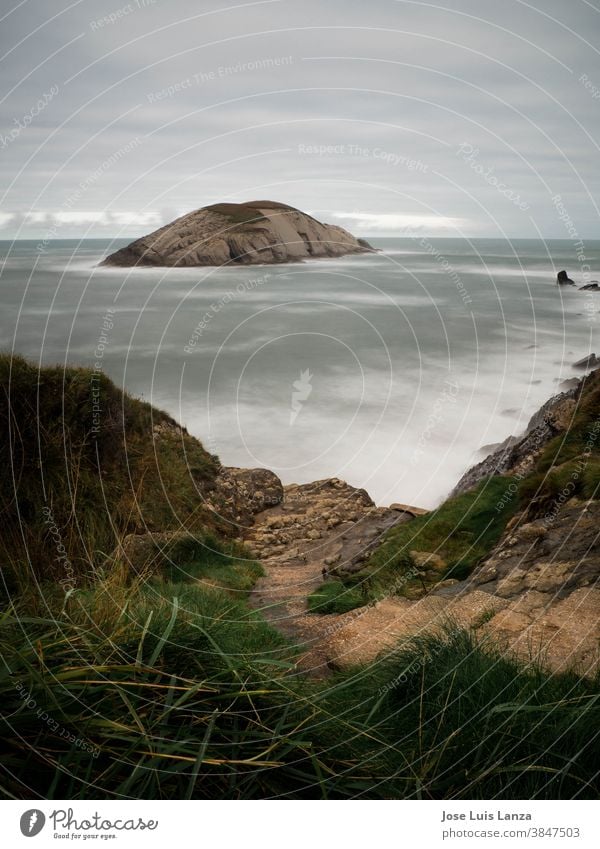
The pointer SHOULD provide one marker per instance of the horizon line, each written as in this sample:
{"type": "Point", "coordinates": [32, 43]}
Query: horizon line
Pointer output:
{"type": "Point", "coordinates": [363, 235]}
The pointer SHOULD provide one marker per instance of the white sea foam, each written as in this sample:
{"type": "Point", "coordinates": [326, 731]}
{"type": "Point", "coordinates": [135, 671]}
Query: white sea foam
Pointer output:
{"type": "Point", "coordinates": [408, 377]}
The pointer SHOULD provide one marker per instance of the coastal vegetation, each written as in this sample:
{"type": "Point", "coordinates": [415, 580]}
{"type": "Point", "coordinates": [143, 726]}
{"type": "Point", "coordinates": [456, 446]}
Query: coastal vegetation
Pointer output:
{"type": "Point", "coordinates": [184, 693]}
{"type": "Point", "coordinates": [160, 681]}
{"type": "Point", "coordinates": [455, 537]}
{"type": "Point", "coordinates": [86, 460]}
{"type": "Point", "coordinates": [569, 464]}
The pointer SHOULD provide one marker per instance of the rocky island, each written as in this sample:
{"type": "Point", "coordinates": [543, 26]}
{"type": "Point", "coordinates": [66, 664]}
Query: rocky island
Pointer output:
{"type": "Point", "coordinates": [252, 233]}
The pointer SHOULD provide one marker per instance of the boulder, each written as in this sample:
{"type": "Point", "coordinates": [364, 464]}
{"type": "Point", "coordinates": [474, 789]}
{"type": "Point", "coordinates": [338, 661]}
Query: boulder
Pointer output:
{"type": "Point", "coordinates": [239, 494]}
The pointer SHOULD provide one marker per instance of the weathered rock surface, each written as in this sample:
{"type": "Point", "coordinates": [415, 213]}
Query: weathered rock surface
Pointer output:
{"type": "Point", "coordinates": [547, 571]}
{"type": "Point", "coordinates": [553, 554]}
{"type": "Point", "coordinates": [517, 455]}
{"type": "Point", "coordinates": [364, 634]}
{"type": "Point", "coordinates": [238, 494]}
{"type": "Point", "coordinates": [250, 233]}
{"type": "Point", "coordinates": [317, 529]}
{"type": "Point", "coordinates": [559, 636]}
{"type": "Point", "coordinates": [537, 595]}
{"type": "Point", "coordinates": [328, 523]}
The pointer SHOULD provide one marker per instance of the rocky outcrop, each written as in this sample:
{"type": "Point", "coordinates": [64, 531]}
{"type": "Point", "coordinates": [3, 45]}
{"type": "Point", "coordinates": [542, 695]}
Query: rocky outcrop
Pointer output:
{"type": "Point", "coordinates": [546, 573]}
{"type": "Point", "coordinates": [562, 277]}
{"type": "Point", "coordinates": [554, 554]}
{"type": "Point", "coordinates": [318, 529]}
{"type": "Point", "coordinates": [535, 596]}
{"type": "Point", "coordinates": [591, 361]}
{"type": "Point", "coordinates": [327, 522]}
{"type": "Point", "coordinates": [239, 494]}
{"type": "Point", "coordinates": [250, 233]}
{"type": "Point", "coordinates": [517, 455]}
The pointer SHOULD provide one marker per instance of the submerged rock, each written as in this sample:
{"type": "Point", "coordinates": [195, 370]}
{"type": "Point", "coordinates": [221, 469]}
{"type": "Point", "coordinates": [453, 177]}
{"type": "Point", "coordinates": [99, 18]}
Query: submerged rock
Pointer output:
{"type": "Point", "coordinates": [256, 232]}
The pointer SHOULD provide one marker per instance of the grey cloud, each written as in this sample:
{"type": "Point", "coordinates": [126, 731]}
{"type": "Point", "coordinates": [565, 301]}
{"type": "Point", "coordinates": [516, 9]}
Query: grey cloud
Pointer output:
{"type": "Point", "coordinates": [212, 135]}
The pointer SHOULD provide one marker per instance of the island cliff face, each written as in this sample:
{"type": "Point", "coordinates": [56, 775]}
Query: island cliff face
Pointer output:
{"type": "Point", "coordinates": [251, 233]}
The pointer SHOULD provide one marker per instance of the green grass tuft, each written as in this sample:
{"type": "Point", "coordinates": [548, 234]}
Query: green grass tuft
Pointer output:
{"type": "Point", "coordinates": [201, 700]}
{"type": "Point", "coordinates": [334, 597]}
{"type": "Point", "coordinates": [462, 531]}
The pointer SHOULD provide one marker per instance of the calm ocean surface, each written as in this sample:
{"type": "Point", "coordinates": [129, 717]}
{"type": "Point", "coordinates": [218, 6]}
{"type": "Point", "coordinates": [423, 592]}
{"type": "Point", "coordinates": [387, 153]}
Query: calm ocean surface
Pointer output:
{"type": "Point", "coordinates": [387, 370]}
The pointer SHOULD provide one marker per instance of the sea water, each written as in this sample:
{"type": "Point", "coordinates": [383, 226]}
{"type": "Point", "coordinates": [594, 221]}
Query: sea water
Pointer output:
{"type": "Point", "coordinates": [389, 370]}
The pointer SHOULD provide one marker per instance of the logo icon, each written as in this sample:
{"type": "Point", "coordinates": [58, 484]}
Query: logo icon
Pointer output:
{"type": "Point", "coordinates": [302, 389]}
{"type": "Point", "coordinates": [32, 822]}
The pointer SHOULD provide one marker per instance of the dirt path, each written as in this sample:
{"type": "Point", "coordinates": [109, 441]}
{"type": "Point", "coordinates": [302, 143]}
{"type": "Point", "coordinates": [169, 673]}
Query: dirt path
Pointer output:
{"type": "Point", "coordinates": [317, 526]}
{"type": "Point", "coordinates": [329, 523]}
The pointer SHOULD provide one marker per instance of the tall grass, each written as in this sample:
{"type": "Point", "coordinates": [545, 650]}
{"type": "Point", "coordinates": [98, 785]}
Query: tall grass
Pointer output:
{"type": "Point", "coordinates": [185, 693]}
{"type": "Point", "coordinates": [475, 723]}
{"type": "Point", "coordinates": [81, 483]}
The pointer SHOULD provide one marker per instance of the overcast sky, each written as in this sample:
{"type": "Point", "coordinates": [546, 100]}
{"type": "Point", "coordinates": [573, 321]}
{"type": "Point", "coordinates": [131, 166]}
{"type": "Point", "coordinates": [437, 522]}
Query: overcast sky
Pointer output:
{"type": "Point", "coordinates": [463, 118]}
